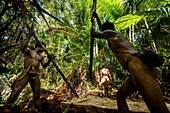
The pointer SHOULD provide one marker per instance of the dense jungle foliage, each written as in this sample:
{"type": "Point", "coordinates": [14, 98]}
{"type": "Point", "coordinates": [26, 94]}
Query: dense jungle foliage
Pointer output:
{"type": "Point", "coordinates": [64, 26]}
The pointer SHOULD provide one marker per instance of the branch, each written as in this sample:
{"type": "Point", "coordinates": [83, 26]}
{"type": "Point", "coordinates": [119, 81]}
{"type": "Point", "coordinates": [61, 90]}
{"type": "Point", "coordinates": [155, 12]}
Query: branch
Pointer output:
{"type": "Point", "coordinates": [40, 11]}
{"type": "Point", "coordinates": [35, 4]}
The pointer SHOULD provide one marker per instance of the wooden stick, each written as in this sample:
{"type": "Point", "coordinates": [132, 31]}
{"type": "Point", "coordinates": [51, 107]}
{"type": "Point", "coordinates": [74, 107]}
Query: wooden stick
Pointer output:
{"type": "Point", "coordinates": [92, 43]}
{"type": "Point", "coordinates": [55, 65]}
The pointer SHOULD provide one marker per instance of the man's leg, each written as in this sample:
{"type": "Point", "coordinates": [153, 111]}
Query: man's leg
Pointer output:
{"type": "Point", "coordinates": [106, 91]}
{"type": "Point", "coordinates": [147, 85]}
{"type": "Point", "coordinates": [124, 91]}
{"type": "Point", "coordinates": [35, 85]}
{"type": "Point", "coordinates": [18, 86]}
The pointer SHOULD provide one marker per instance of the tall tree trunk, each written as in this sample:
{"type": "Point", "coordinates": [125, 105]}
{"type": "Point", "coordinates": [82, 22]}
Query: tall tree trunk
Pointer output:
{"type": "Point", "coordinates": [133, 25]}
{"type": "Point", "coordinates": [130, 34]}
{"type": "Point", "coordinates": [153, 41]}
{"type": "Point", "coordinates": [96, 70]}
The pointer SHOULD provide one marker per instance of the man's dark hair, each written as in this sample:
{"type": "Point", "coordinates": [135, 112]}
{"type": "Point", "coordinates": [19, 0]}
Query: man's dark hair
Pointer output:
{"type": "Point", "coordinates": [108, 25]}
{"type": "Point", "coordinates": [38, 45]}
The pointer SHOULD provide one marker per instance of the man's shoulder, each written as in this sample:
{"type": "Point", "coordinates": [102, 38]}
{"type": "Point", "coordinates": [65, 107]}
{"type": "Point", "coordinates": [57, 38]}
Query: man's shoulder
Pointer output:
{"type": "Point", "coordinates": [110, 33]}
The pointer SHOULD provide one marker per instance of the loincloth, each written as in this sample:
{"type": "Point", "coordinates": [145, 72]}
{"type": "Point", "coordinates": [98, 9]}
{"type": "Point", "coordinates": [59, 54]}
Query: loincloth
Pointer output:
{"type": "Point", "coordinates": [26, 71]}
{"type": "Point", "coordinates": [128, 59]}
{"type": "Point", "coordinates": [150, 59]}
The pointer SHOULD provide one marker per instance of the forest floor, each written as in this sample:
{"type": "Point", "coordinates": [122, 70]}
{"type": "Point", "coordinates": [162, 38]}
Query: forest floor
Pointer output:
{"type": "Point", "coordinates": [91, 99]}
{"type": "Point", "coordinates": [89, 102]}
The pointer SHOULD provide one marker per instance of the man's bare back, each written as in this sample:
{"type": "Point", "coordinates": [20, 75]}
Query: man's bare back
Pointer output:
{"type": "Point", "coordinates": [117, 44]}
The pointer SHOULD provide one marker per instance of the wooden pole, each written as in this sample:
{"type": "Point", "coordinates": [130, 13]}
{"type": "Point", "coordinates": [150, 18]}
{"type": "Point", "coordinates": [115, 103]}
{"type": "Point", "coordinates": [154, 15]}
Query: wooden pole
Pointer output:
{"type": "Point", "coordinates": [91, 44]}
{"type": "Point", "coordinates": [55, 65]}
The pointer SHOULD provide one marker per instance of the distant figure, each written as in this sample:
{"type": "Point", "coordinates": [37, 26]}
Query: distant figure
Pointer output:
{"type": "Point", "coordinates": [32, 60]}
{"type": "Point", "coordinates": [105, 80]}
{"type": "Point", "coordinates": [142, 76]}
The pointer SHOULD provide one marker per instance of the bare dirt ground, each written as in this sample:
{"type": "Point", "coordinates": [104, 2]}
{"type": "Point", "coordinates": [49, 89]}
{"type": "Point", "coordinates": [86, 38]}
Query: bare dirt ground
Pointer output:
{"type": "Point", "coordinates": [88, 102]}
{"type": "Point", "coordinates": [94, 104]}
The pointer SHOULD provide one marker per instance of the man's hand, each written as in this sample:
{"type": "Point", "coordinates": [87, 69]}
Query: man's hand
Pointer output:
{"type": "Point", "coordinates": [93, 20]}
{"type": "Point", "coordinates": [94, 17]}
{"type": "Point", "coordinates": [94, 14]}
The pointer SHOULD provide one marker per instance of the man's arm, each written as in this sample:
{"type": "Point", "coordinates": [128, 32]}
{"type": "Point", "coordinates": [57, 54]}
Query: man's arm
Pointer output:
{"type": "Point", "coordinates": [103, 34]}
{"type": "Point", "coordinates": [47, 63]}
{"type": "Point", "coordinates": [25, 41]}
{"type": "Point", "coordinates": [25, 44]}
{"type": "Point", "coordinates": [98, 20]}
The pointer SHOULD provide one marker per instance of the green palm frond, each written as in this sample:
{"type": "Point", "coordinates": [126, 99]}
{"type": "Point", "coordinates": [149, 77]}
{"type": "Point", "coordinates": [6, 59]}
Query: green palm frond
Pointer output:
{"type": "Point", "coordinates": [76, 14]}
{"type": "Point", "coordinates": [150, 8]}
{"type": "Point", "coordinates": [146, 5]}
{"type": "Point", "coordinates": [168, 1]}
{"type": "Point", "coordinates": [151, 13]}
{"type": "Point", "coordinates": [111, 9]}
{"type": "Point", "coordinates": [127, 20]}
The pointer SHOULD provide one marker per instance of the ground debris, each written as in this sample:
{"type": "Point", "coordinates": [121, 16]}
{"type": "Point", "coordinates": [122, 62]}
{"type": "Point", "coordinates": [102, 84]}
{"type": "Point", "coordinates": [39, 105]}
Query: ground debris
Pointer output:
{"type": "Point", "coordinates": [91, 98]}
{"type": "Point", "coordinates": [94, 104]}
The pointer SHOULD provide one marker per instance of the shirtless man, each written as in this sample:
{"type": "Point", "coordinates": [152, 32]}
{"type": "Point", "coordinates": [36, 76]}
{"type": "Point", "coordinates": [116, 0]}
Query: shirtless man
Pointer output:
{"type": "Point", "coordinates": [141, 76]}
{"type": "Point", "coordinates": [32, 60]}
{"type": "Point", "coordinates": [105, 80]}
